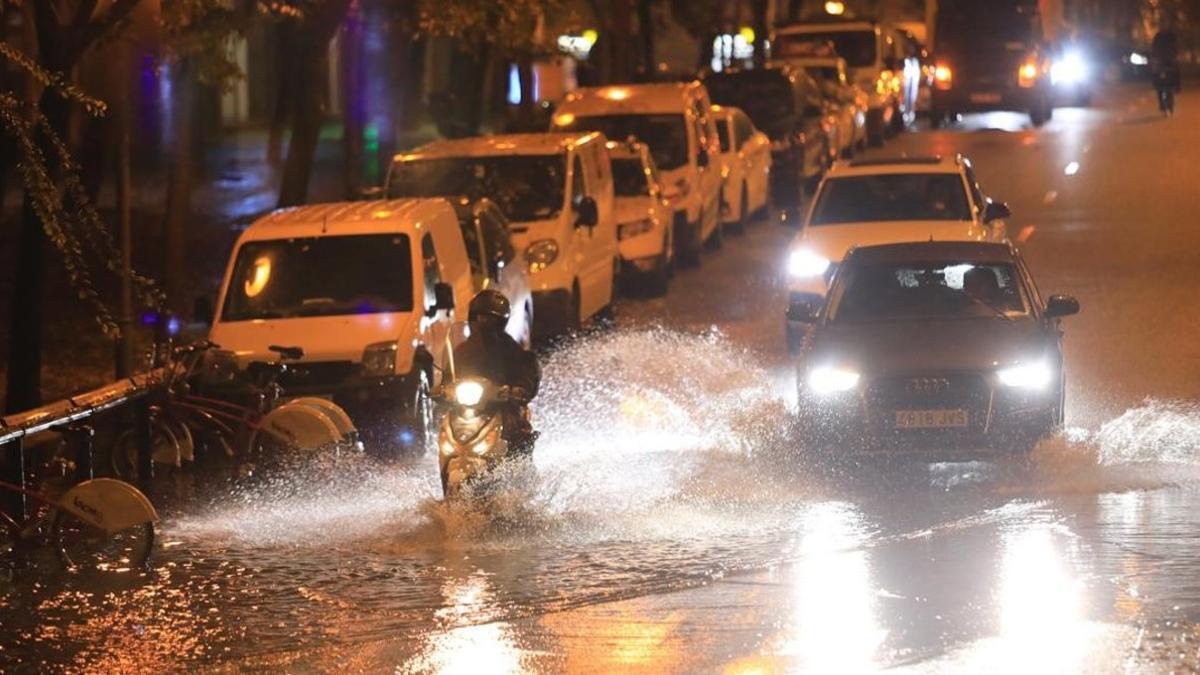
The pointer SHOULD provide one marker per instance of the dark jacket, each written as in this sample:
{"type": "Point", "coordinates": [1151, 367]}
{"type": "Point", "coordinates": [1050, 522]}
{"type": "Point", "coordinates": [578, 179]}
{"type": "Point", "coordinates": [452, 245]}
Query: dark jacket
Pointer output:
{"type": "Point", "coordinates": [496, 356]}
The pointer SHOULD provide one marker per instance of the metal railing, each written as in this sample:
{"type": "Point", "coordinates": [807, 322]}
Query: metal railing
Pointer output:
{"type": "Point", "coordinates": [70, 415]}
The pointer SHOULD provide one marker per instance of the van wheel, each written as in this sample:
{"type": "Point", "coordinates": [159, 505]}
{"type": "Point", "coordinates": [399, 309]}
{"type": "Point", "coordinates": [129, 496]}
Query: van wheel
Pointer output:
{"type": "Point", "coordinates": [743, 216]}
{"type": "Point", "coordinates": [717, 239]}
{"type": "Point", "coordinates": [687, 244]}
{"type": "Point", "coordinates": [875, 128]}
{"type": "Point", "coordinates": [418, 428]}
{"type": "Point", "coordinates": [575, 310]}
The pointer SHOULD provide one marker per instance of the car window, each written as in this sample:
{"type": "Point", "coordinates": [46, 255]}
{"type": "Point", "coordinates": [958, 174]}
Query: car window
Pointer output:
{"type": "Point", "coordinates": [922, 291]}
{"type": "Point", "coordinates": [742, 129]}
{"type": "Point", "coordinates": [320, 276]}
{"type": "Point", "coordinates": [723, 134]}
{"type": "Point", "coordinates": [665, 134]}
{"type": "Point", "coordinates": [497, 240]}
{"type": "Point", "coordinates": [891, 197]}
{"type": "Point", "coordinates": [858, 47]}
{"type": "Point", "coordinates": [578, 182]}
{"type": "Point", "coordinates": [527, 187]}
{"type": "Point", "coordinates": [429, 262]}
{"type": "Point", "coordinates": [629, 177]}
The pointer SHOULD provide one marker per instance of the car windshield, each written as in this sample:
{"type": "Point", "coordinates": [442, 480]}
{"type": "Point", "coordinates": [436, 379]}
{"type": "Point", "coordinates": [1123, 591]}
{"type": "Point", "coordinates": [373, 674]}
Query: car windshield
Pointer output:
{"type": "Point", "coordinates": [767, 97]}
{"type": "Point", "coordinates": [963, 23]}
{"type": "Point", "coordinates": [723, 134]}
{"type": "Point", "coordinates": [320, 276]}
{"type": "Point", "coordinates": [525, 187]}
{"type": "Point", "coordinates": [891, 197]}
{"type": "Point", "coordinates": [824, 73]}
{"type": "Point", "coordinates": [665, 134]}
{"type": "Point", "coordinates": [857, 47]}
{"type": "Point", "coordinates": [629, 177]}
{"type": "Point", "coordinates": [922, 291]}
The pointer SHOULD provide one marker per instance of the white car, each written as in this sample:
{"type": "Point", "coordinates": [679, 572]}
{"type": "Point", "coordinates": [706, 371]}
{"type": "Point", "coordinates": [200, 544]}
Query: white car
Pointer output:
{"type": "Point", "coordinates": [848, 103]}
{"type": "Point", "coordinates": [746, 158]}
{"type": "Point", "coordinates": [494, 262]}
{"type": "Point", "coordinates": [885, 201]}
{"type": "Point", "coordinates": [675, 121]}
{"type": "Point", "coordinates": [556, 189]}
{"type": "Point", "coordinates": [644, 218]}
{"type": "Point", "coordinates": [368, 290]}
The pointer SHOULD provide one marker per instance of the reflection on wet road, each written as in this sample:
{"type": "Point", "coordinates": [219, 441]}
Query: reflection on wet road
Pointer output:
{"type": "Point", "coordinates": [671, 524]}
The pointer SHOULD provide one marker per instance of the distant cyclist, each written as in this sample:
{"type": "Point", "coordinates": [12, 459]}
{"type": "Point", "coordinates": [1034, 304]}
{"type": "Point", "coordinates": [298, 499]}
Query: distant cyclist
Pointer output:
{"type": "Point", "coordinates": [1164, 66]}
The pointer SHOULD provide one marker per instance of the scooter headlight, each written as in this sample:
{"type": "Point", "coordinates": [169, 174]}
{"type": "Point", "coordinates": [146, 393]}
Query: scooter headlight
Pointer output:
{"type": "Point", "coordinates": [468, 393]}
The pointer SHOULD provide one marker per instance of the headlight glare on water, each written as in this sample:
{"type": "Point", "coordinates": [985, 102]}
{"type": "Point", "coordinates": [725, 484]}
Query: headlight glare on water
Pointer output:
{"type": "Point", "coordinates": [1033, 375]}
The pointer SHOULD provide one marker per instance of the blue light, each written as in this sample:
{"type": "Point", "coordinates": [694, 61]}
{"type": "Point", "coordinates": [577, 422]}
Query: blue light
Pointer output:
{"type": "Point", "coordinates": [514, 85]}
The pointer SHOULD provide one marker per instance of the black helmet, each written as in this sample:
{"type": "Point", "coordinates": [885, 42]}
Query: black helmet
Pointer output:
{"type": "Point", "coordinates": [489, 303]}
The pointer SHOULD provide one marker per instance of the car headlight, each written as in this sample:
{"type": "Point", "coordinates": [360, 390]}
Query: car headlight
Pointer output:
{"type": "Point", "coordinates": [1035, 375]}
{"type": "Point", "coordinates": [379, 359]}
{"type": "Point", "coordinates": [468, 393]}
{"type": "Point", "coordinates": [633, 229]}
{"type": "Point", "coordinates": [1138, 59]}
{"type": "Point", "coordinates": [829, 380]}
{"type": "Point", "coordinates": [1072, 68]}
{"type": "Point", "coordinates": [804, 263]}
{"type": "Point", "coordinates": [541, 254]}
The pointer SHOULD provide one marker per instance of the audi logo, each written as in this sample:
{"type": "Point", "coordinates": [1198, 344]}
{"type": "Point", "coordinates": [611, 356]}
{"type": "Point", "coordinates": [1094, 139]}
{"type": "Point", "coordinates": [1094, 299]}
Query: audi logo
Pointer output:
{"type": "Point", "coordinates": [928, 385]}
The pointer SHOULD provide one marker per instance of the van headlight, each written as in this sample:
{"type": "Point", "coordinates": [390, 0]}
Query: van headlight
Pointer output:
{"type": "Point", "coordinates": [379, 359]}
{"type": "Point", "coordinates": [828, 380]}
{"type": "Point", "coordinates": [629, 230]}
{"type": "Point", "coordinates": [803, 263]}
{"type": "Point", "coordinates": [468, 393]}
{"type": "Point", "coordinates": [1034, 375]}
{"type": "Point", "coordinates": [541, 254]}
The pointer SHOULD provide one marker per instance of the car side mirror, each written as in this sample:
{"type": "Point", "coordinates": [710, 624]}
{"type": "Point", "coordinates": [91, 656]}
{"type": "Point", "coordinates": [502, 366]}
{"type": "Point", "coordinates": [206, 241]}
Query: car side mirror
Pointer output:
{"type": "Point", "coordinates": [370, 192]}
{"type": "Point", "coordinates": [806, 310]}
{"type": "Point", "coordinates": [993, 211]}
{"type": "Point", "coordinates": [1061, 305]}
{"type": "Point", "coordinates": [202, 310]}
{"type": "Point", "coordinates": [586, 212]}
{"type": "Point", "coordinates": [443, 299]}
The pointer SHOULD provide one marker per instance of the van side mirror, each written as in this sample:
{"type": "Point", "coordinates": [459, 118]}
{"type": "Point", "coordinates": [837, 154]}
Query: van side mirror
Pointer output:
{"type": "Point", "coordinates": [587, 214]}
{"type": "Point", "coordinates": [443, 299]}
{"type": "Point", "coordinates": [993, 211]}
{"type": "Point", "coordinates": [702, 158]}
{"type": "Point", "coordinates": [202, 310]}
{"type": "Point", "coordinates": [1059, 306]}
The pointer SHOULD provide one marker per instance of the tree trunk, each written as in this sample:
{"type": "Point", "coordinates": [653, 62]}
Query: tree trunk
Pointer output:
{"type": "Point", "coordinates": [354, 104]}
{"type": "Point", "coordinates": [285, 86]}
{"type": "Point", "coordinates": [312, 67]}
{"type": "Point", "coordinates": [759, 11]}
{"type": "Point", "coordinates": [646, 33]}
{"type": "Point", "coordinates": [179, 187]}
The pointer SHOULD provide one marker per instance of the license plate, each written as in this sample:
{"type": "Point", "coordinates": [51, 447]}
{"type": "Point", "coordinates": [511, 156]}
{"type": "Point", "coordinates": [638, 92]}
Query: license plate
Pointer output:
{"type": "Point", "coordinates": [987, 97]}
{"type": "Point", "coordinates": [930, 419]}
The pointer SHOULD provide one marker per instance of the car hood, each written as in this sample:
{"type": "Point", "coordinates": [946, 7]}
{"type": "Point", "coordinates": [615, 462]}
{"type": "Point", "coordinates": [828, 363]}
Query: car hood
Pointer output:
{"type": "Point", "coordinates": [630, 209]}
{"type": "Point", "coordinates": [905, 347]}
{"type": "Point", "coordinates": [323, 338]}
{"type": "Point", "coordinates": [833, 241]}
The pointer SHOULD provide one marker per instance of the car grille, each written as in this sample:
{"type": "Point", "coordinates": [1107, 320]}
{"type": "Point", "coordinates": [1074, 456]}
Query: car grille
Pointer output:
{"type": "Point", "coordinates": [968, 392]}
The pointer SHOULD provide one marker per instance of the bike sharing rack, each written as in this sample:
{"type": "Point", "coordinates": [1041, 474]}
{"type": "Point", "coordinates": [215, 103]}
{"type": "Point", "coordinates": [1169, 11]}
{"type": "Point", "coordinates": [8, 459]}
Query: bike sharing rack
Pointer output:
{"type": "Point", "coordinates": [71, 416]}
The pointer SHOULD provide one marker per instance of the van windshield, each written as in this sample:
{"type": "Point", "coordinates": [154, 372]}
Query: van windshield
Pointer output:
{"type": "Point", "coordinates": [856, 46]}
{"type": "Point", "coordinates": [766, 96]}
{"type": "Point", "coordinates": [629, 177]}
{"type": "Point", "coordinates": [525, 187]}
{"type": "Point", "coordinates": [665, 134]}
{"type": "Point", "coordinates": [963, 23]}
{"type": "Point", "coordinates": [320, 276]}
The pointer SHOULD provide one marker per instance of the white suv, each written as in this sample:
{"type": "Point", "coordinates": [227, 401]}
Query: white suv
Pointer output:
{"type": "Point", "coordinates": [368, 291]}
{"type": "Point", "coordinates": [884, 201]}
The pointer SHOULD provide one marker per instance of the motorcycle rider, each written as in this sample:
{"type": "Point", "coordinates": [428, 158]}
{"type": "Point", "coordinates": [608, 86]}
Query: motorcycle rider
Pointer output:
{"type": "Point", "coordinates": [489, 352]}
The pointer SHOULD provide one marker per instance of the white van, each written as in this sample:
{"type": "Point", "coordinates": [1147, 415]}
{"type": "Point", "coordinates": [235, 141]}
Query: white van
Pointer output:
{"type": "Point", "coordinates": [557, 192]}
{"type": "Point", "coordinates": [368, 291]}
{"type": "Point", "coordinates": [675, 120]}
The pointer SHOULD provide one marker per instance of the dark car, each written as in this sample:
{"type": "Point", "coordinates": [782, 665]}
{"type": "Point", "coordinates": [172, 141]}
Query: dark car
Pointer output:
{"type": "Point", "coordinates": [991, 55]}
{"type": "Point", "coordinates": [934, 346]}
{"type": "Point", "coordinates": [786, 104]}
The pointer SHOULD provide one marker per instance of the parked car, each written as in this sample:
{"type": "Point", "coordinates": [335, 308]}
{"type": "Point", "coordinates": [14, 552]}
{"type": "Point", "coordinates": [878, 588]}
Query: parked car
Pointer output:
{"type": "Point", "coordinates": [991, 56]}
{"type": "Point", "coordinates": [867, 202]}
{"type": "Point", "coordinates": [877, 60]}
{"type": "Point", "coordinates": [933, 347]}
{"type": "Point", "coordinates": [494, 261]}
{"type": "Point", "coordinates": [746, 156]}
{"type": "Point", "coordinates": [674, 120]}
{"type": "Point", "coordinates": [786, 104]}
{"type": "Point", "coordinates": [368, 291]}
{"type": "Point", "coordinates": [847, 103]}
{"type": "Point", "coordinates": [644, 217]}
{"type": "Point", "coordinates": [557, 192]}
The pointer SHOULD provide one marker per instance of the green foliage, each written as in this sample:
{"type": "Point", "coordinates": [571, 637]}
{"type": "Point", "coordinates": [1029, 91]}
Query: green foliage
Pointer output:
{"type": "Point", "coordinates": [200, 31]}
{"type": "Point", "coordinates": [513, 26]}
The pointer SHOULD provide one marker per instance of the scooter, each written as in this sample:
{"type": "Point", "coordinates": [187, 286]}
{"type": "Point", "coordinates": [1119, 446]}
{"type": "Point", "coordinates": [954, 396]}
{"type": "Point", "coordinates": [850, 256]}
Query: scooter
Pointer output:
{"type": "Point", "coordinates": [471, 443]}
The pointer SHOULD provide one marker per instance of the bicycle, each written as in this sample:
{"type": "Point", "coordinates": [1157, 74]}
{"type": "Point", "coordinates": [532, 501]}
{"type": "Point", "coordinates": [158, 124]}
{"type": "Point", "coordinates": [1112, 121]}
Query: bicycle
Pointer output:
{"type": "Point", "coordinates": [101, 524]}
{"type": "Point", "coordinates": [203, 399]}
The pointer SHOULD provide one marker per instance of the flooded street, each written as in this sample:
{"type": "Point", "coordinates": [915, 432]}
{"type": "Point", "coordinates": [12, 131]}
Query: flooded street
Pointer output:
{"type": "Point", "coordinates": [673, 524]}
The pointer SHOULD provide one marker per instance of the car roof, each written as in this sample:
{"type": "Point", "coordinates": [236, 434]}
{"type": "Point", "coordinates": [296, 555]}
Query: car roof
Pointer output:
{"type": "Point", "coordinates": [896, 165]}
{"type": "Point", "coordinates": [548, 143]}
{"type": "Point", "coordinates": [630, 98]}
{"type": "Point", "coordinates": [338, 218]}
{"type": "Point", "coordinates": [825, 26]}
{"type": "Point", "coordinates": [933, 251]}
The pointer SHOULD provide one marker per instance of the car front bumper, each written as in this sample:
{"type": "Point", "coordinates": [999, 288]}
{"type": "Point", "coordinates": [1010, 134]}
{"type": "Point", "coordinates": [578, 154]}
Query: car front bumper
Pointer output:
{"type": "Point", "coordinates": [986, 99]}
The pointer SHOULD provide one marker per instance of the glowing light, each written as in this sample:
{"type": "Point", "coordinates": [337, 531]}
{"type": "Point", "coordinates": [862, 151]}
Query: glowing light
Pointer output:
{"type": "Point", "coordinates": [590, 35]}
{"type": "Point", "coordinates": [835, 7]}
{"type": "Point", "coordinates": [1040, 603]}
{"type": "Point", "coordinates": [1070, 69]}
{"type": "Point", "coordinates": [826, 380]}
{"type": "Point", "coordinates": [1138, 59]}
{"type": "Point", "coordinates": [805, 263]}
{"type": "Point", "coordinates": [943, 76]}
{"type": "Point", "coordinates": [1071, 169]}
{"type": "Point", "coordinates": [747, 34]}
{"type": "Point", "coordinates": [1035, 375]}
{"type": "Point", "coordinates": [468, 393]}
{"type": "Point", "coordinates": [615, 93]}
{"type": "Point", "coordinates": [258, 277]}
{"type": "Point", "coordinates": [1027, 74]}
{"type": "Point", "coordinates": [564, 119]}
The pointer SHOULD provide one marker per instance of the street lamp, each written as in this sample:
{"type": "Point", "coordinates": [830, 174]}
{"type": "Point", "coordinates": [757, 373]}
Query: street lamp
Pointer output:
{"type": "Point", "coordinates": [835, 7]}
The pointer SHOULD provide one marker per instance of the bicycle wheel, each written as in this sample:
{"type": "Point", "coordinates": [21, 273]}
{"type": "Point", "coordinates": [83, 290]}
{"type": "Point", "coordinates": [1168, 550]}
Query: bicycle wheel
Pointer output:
{"type": "Point", "coordinates": [123, 452]}
{"type": "Point", "coordinates": [82, 546]}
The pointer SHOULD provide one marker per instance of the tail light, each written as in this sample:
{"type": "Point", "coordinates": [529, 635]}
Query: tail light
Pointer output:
{"type": "Point", "coordinates": [1027, 74]}
{"type": "Point", "coordinates": [943, 76]}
